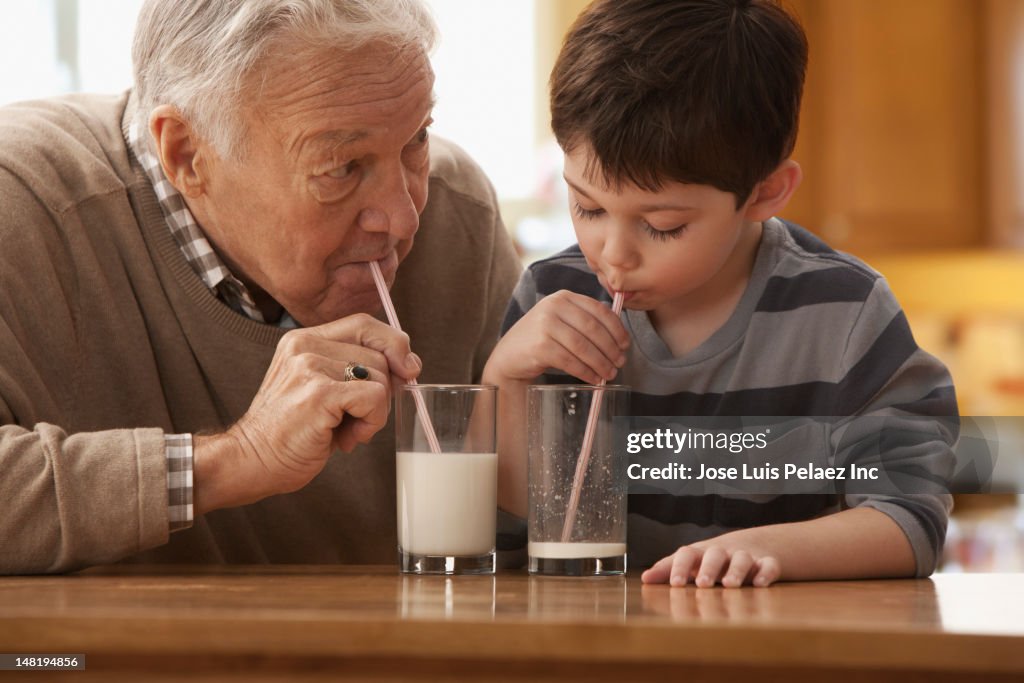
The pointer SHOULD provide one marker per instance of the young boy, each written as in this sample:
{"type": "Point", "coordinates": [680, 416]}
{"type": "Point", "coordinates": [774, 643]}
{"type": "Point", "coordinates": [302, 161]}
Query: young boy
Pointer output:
{"type": "Point", "coordinates": [677, 119]}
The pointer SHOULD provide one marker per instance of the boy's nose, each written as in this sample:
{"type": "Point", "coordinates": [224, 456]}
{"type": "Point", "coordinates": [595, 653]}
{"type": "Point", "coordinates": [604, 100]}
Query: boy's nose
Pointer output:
{"type": "Point", "coordinates": [618, 252]}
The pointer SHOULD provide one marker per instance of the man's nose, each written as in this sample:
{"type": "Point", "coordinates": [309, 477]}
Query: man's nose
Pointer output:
{"type": "Point", "coordinates": [392, 206]}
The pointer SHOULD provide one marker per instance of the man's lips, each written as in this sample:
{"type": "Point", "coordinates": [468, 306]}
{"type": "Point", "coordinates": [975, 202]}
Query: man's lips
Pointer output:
{"type": "Point", "coordinates": [388, 261]}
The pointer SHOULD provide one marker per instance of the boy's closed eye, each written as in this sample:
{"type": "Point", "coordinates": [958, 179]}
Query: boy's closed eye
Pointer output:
{"type": "Point", "coordinates": [653, 232]}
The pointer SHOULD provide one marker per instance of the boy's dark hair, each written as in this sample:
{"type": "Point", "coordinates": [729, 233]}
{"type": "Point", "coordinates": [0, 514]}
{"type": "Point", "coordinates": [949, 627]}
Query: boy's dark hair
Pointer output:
{"type": "Point", "coordinates": [695, 91]}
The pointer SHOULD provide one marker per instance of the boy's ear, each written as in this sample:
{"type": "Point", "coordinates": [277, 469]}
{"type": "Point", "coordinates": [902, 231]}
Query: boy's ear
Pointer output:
{"type": "Point", "coordinates": [771, 195]}
{"type": "Point", "coordinates": [178, 150]}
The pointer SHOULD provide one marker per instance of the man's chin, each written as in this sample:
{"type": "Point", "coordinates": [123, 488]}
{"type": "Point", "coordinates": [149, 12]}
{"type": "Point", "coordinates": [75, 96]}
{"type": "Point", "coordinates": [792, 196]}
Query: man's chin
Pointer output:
{"type": "Point", "coordinates": [329, 312]}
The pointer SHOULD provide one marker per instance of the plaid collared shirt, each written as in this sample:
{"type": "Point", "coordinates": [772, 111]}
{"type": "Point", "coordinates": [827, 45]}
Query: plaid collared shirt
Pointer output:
{"type": "Point", "coordinates": [228, 288]}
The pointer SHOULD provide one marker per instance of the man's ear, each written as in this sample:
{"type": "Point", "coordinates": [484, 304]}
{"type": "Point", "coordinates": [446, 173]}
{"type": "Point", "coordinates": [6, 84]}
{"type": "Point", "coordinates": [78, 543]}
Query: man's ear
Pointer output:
{"type": "Point", "coordinates": [771, 195]}
{"type": "Point", "coordinates": [178, 149]}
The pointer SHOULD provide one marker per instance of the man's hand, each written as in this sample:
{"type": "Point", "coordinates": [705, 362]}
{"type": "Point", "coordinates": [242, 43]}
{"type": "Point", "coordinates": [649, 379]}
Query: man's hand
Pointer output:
{"type": "Point", "coordinates": [566, 331]}
{"type": "Point", "coordinates": [304, 409]}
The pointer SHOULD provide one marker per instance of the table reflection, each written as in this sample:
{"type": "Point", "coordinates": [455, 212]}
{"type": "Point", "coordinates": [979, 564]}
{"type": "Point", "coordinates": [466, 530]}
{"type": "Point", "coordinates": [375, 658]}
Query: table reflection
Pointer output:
{"type": "Point", "coordinates": [585, 598]}
{"type": "Point", "coordinates": [446, 597]}
{"type": "Point", "coordinates": [825, 604]}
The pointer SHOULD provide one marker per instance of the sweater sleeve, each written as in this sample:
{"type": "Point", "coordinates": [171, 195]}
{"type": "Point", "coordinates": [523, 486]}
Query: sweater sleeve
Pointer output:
{"type": "Point", "coordinates": [505, 268]}
{"type": "Point", "coordinates": [67, 499]}
{"type": "Point", "coordinates": [904, 422]}
{"type": "Point", "coordinates": [70, 501]}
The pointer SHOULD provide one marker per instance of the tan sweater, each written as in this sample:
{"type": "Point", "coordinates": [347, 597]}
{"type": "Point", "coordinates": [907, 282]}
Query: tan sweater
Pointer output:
{"type": "Point", "coordinates": [108, 340]}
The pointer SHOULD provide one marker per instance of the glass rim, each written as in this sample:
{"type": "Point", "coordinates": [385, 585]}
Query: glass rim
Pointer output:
{"type": "Point", "coordinates": [578, 387]}
{"type": "Point", "coordinates": [449, 387]}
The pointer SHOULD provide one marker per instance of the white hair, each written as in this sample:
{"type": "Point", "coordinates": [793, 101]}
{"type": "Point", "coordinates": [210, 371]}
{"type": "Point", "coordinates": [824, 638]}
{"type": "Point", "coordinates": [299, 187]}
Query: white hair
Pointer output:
{"type": "Point", "coordinates": [198, 55]}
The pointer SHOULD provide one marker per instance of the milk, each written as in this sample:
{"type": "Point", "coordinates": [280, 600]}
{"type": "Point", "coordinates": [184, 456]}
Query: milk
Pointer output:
{"type": "Point", "coordinates": [446, 502]}
{"type": "Point", "coordinates": [575, 551]}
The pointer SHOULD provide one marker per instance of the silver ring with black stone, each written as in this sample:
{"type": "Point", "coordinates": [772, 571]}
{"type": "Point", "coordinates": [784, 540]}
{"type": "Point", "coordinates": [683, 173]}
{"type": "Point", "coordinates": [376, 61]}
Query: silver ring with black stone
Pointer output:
{"type": "Point", "coordinates": [354, 371]}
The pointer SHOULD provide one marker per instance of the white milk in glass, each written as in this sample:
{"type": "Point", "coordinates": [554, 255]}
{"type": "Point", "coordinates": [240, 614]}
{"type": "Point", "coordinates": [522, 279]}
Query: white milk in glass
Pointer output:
{"type": "Point", "coordinates": [575, 551]}
{"type": "Point", "coordinates": [446, 502]}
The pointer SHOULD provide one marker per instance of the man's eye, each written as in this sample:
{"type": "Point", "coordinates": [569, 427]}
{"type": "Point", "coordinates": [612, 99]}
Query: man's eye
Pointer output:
{"type": "Point", "coordinates": [342, 172]}
{"type": "Point", "coordinates": [421, 137]}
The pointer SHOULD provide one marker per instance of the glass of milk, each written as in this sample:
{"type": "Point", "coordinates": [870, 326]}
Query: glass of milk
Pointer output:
{"type": "Point", "coordinates": [592, 540]}
{"type": "Point", "coordinates": [447, 500]}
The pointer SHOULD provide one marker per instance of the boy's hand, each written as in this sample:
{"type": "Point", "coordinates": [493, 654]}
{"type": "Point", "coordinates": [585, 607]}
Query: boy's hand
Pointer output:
{"type": "Point", "coordinates": [566, 331]}
{"type": "Point", "coordinates": [713, 561]}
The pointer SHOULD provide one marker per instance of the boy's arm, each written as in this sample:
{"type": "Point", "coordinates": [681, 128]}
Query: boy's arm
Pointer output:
{"type": "Point", "coordinates": [851, 544]}
{"type": "Point", "coordinates": [565, 331]}
{"type": "Point", "coordinates": [512, 484]}
{"type": "Point", "coordinates": [905, 421]}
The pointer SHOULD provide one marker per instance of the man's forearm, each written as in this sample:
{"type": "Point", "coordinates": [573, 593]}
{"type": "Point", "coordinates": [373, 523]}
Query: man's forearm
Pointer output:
{"type": "Point", "coordinates": [222, 474]}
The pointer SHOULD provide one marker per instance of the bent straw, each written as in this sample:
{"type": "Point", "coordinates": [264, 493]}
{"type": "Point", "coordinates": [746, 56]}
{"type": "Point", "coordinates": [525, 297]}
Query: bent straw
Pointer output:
{"type": "Point", "coordinates": [389, 309]}
{"type": "Point", "coordinates": [588, 444]}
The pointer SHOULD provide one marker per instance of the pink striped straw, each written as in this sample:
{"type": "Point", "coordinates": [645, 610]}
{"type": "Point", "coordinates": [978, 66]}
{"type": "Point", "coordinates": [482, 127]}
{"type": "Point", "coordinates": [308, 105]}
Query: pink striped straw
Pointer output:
{"type": "Point", "coordinates": [588, 444]}
{"type": "Point", "coordinates": [389, 309]}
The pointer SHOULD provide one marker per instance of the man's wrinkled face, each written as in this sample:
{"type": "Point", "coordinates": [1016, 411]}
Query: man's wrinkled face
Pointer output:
{"type": "Point", "coordinates": [334, 174]}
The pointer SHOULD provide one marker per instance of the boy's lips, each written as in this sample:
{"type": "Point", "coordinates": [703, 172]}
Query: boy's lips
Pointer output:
{"type": "Point", "coordinates": [626, 294]}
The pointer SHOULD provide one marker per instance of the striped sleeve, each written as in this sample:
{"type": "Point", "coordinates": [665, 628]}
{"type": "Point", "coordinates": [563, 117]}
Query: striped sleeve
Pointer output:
{"type": "Point", "coordinates": [523, 298]}
{"type": "Point", "coordinates": [564, 271]}
{"type": "Point", "coordinates": [905, 417]}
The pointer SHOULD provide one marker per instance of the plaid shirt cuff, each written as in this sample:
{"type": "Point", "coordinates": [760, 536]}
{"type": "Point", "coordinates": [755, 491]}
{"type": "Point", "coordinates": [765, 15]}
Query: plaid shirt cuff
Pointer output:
{"type": "Point", "coordinates": [179, 480]}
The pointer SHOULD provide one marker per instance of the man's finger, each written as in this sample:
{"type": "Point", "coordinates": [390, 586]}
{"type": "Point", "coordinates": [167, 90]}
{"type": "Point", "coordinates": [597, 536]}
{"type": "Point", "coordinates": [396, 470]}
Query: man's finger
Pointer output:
{"type": "Point", "coordinates": [365, 330]}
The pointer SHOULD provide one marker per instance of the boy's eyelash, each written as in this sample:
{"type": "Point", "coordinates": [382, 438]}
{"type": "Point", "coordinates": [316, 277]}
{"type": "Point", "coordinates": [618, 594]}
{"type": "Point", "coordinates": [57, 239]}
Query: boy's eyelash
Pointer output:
{"type": "Point", "coordinates": [586, 213]}
{"type": "Point", "coordinates": [651, 231]}
{"type": "Point", "coordinates": [663, 235]}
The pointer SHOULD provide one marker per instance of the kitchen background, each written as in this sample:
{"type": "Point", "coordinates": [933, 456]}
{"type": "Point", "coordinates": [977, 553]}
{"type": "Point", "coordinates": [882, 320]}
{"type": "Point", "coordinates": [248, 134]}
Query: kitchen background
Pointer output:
{"type": "Point", "coordinates": [911, 141]}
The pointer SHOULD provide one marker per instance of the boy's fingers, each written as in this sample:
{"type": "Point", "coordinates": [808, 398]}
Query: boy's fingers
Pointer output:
{"type": "Point", "coordinates": [740, 565]}
{"type": "Point", "coordinates": [566, 303]}
{"type": "Point", "coordinates": [767, 571]}
{"type": "Point", "coordinates": [564, 359]}
{"type": "Point", "coordinates": [583, 334]}
{"type": "Point", "coordinates": [714, 561]}
{"type": "Point", "coordinates": [739, 568]}
{"type": "Point", "coordinates": [599, 324]}
{"type": "Point", "coordinates": [603, 313]}
{"type": "Point", "coordinates": [583, 349]}
{"type": "Point", "coordinates": [659, 571]}
{"type": "Point", "coordinates": [683, 563]}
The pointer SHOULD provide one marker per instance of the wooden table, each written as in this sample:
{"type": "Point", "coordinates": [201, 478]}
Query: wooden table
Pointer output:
{"type": "Point", "coordinates": [329, 622]}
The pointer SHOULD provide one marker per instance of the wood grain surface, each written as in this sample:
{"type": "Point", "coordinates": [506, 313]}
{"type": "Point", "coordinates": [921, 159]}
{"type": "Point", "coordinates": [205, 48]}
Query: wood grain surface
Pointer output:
{"type": "Point", "coordinates": [371, 623]}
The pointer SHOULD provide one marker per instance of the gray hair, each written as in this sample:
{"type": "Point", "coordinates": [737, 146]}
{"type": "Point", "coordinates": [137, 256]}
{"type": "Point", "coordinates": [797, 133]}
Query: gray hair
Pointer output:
{"type": "Point", "coordinates": [198, 55]}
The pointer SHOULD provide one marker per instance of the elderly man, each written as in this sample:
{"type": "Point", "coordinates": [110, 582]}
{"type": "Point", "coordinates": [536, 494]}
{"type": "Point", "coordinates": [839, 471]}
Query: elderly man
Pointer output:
{"type": "Point", "coordinates": [158, 247]}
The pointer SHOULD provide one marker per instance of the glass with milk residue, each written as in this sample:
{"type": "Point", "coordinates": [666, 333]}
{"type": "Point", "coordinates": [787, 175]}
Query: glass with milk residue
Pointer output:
{"type": "Point", "coordinates": [577, 486]}
{"type": "Point", "coordinates": [447, 498]}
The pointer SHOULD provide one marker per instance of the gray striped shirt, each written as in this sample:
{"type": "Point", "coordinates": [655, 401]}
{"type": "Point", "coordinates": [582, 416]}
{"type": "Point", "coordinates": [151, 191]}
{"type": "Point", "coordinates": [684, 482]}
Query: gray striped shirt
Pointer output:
{"type": "Point", "coordinates": [816, 333]}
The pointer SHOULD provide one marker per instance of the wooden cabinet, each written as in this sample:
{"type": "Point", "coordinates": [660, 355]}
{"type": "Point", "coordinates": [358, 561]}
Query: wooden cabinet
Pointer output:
{"type": "Point", "coordinates": [892, 138]}
{"type": "Point", "coordinates": [912, 129]}
{"type": "Point", "coordinates": [1004, 119]}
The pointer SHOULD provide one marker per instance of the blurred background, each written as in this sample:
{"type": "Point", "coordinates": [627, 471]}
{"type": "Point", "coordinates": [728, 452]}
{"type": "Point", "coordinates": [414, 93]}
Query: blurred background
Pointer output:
{"type": "Point", "coordinates": [911, 141]}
